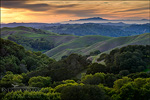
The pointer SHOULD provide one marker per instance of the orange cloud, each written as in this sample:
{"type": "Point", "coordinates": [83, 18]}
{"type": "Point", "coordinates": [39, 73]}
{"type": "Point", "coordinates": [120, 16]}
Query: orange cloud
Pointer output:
{"type": "Point", "coordinates": [57, 11]}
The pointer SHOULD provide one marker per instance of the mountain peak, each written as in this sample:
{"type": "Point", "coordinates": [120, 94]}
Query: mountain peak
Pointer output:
{"type": "Point", "coordinates": [90, 19]}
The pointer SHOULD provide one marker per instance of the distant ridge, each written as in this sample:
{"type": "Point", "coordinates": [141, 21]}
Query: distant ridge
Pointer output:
{"type": "Point", "coordinates": [90, 19]}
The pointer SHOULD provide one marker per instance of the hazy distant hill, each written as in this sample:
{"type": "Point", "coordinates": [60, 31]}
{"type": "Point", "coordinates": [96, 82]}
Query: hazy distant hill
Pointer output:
{"type": "Point", "coordinates": [111, 30]}
{"type": "Point", "coordinates": [33, 25]}
{"type": "Point", "coordinates": [90, 19]}
{"type": "Point", "coordinates": [102, 19]}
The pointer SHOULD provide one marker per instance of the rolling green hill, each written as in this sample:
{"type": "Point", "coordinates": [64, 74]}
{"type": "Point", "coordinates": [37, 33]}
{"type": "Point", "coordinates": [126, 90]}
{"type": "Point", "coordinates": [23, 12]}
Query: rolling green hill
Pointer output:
{"type": "Point", "coordinates": [29, 37]}
{"type": "Point", "coordinates": [107, 46]}
{"type": "Point", "coordinates": [86, 44]}
{"type": "Point", "coordinates": [56, 46]}
{"type": "Point", "coordinates": [75, 46]}
{"type": "Point", "coordinates": [24, 31]}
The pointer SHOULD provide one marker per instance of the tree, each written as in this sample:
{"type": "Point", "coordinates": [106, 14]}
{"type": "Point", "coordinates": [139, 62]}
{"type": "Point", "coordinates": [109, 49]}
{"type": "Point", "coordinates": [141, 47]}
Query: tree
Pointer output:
{"type": "Point", "coordinates": [85, 92]}
{"type": "Point", "coordinates": [138, 89]}
{"type": "Point", "coordinates": [60, 87]}
{"type": "Point", "coordinates": [102, 57]}
{"type": "Point", "coordinates": [139, 82]}
{"type": "Point", "coordinates": [109, 79]}
{"type": "Point", "coordinates": [133, 58]}
{"type": "Point", "coordinates": [9, 79]}
{"type": "Point", "coordinates": [39, 81]}
{"type": "Point", "coordinates": [124, 72]}
{"type": "Point", "coordinates": [95, 79]}
{"type": "Point", "coordinates": [96, 52]}
{"type": "Point", "coordinates": [139, 75]}
{"type": "Point", "coordinates": [95, 68]}
{"type": "Point", "coordinates": [120, 82]}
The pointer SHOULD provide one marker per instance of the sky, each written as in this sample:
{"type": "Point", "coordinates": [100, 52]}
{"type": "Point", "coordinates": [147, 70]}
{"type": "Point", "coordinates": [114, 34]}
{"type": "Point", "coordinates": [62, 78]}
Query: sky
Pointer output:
{"type": "Point", "coordinates": [53, 11]}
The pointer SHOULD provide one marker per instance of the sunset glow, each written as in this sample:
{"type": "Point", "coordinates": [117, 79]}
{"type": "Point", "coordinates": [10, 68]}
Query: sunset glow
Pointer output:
{"type": "Point", "coordinates": [58, 11]}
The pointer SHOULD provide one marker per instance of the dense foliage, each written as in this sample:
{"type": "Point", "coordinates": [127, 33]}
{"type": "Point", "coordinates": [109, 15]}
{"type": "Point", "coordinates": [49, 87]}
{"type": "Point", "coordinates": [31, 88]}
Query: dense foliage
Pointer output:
{"type": "Point", "coordinates": [85, 92]}
{"type": "Point", "coordinates": [40, 81]}
{"type": "Point", "coordinates": [129, 59]}
{"type": "Point", "coordinates": [127, 89]}
{"type": "Point", "coordinates": [11, 79]}
{"type": "Point", "coordinates": [16, 59]}
{"type": "Point", "coordinates": [57, 80]}
{"type": "Point", "coordinates": [95, 67]}
{"type": "Point", "coordinates": [31, 95]}
{"type": "Point", "coordinates": [123, 88]}
{"type": "Point", "coordinates": [63, 69]}
{"type": "Point", "coordinates": [35, 44]}
{"type": "Point", "coordinates": [100, 78]}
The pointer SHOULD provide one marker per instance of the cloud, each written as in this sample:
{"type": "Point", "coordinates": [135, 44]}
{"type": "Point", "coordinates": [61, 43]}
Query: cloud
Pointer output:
{"type": "Point", "coordinates": [62, 10]}
{"type": "Point", "coordinates": [80, 13]}
{"type": "Point", "coordinates": [83, 13]}
{"type": "Point", "coordinates": [34, 7]}
{"type": "Point", "coordinates": [136, 9]}
{"type": "Point", "coordinates": [66, 6]}
{"type": "Point", "coordinates": [23, 4]}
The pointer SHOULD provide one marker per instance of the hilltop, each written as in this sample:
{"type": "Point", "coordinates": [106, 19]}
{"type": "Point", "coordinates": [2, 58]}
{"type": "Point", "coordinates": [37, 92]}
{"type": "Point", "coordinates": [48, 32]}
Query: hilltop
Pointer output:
{"type": "Point", "coordinates": [21, 30]}
{"type": "Point", "coordinates": [90, 19]}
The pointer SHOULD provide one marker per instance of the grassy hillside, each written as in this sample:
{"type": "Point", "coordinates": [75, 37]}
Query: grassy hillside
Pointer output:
{"type": "Point", "coordinates": [56, 46]}
{"type": "Point", "coordinates": [121, 41]}
{"type": "Point", "coordinates": [86, 44]}
{"type": "Point", "coordinates": [75, 46]}
{"type": "Point", "coordinates": [25, 36]}
{"type": "Point", "coordinates": [61, 39]}
{"type": "Point", "coordinates": [24, 31]}
{"type": "Point", "coordinates": [107, 46]}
